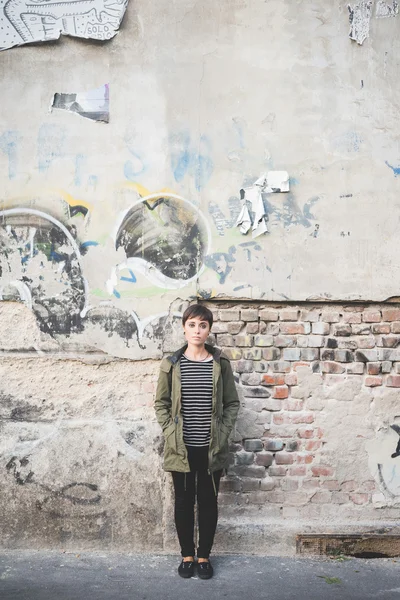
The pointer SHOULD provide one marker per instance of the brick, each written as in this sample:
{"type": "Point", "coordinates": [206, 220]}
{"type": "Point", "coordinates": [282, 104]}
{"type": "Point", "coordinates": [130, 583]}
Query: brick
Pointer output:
{"type": "Point", "coordinates": [332, 367]}
{"type": "Point", "coordinates": [267, 484]}
{"type": "Point", "coordinates": [388, 354]}
{"type": "Point", "coordinates": [381, 328]}
{"type": "Point", "coordinates": [263, 340]}
{"type": "Point", "coordinates": [249, 314]}
{"type": "Point", "coordinates": [300, 365]}
{"type": "Point", "coordinates": [359, 498]}
{"type": "Point", "coordinates": [386, 366]}
{"type": "Point", "coordinates": [298, 418]}
{"type": "Point", "coordinates": [310, 315]}
{"type": "Point", "coordinates": [261, 366]}
{"type": "Point", "coordinates": [271, 354]}
{"type": "Point", "coordinates": [328, 355]}
{"type": "Point", "coordinates": [289, 485]}
{"type": "Point", "coordinates": [339, 498]}
{"type": "Point", "coordinates": [297, 471]}
{"type": "Point", "coordinates": [366, 356]}
{"type": "Point", "coordinates": [351, 317]}
{"type": "Point", "coordinates": [272, 328]}
{"type": "Point", "coordinates": [252, 353]}
{"type": "Point", "coordinates": [219, 327]}
{"type": "Point", "coordinates": [264, 459]}
{"type": "Point", "coordinates": [224, 339]}
{"type": "Point", "coordinates": [273, 445]}
{"type": "Point", "coordinates": [321, 497]}
{"type": "Point", "coordinates": [292, 446]}
{"type": "Point", "coordinates": [291, 354]}
{"type": "Point", "coordinates": [342, 330]}
{"type": "Point", "coordinates": [256, 392]}
{"type": "Point", "coordinates": [234, 327]}
{"type": "Point", "coordinates": [330, 316]}
{"type": "Point", "coordinates": [374, 368]}
{"type": "Point", "coordinates": [288, 314]}
{"type": "Point", "coordinates": [310, 484]}
{"type": "Point", "coordinates": [361, 329]}
{"type": "Point", "coordinates": [295, 328]}
{"type": "Point", "coordinates": [331, 343]}
{"type": "Point", "coordinates": [372, 316]}
{"type": "Point", "coordinates": [393, 381]}
{"type": "Point", "coordinates": [278, 471]}
{"type": "Point", "coordinates": [268, 315]}
{"type": "Point", "coordinates": [275, 379]}
{"type": "Point", "coordinates": [292, 404]}
{"type": "Point", "coordinates": [232, 353]}
{"type": "Point", "coordinates": [368, 342]}
{"type": "Point", "coordinates": [232, 314]}
{"type": "Point", "coordinates": [330, 484]}
{"type": "Point", "coordinates": [251, 378]}
{"type": "Point", "coordinates": [322, 471]}
{"type": "Point", "coordinates": [316, 341]}
{"type": "Point", "coordinates": [304, 459]}
{"type": "Point", "coordinates": [276, 497]}
{"type": "Point", "coordinates": [281, 366]}
{"type": "Point", "coordinates": [371, 381]}
{"type": "Point", "coordinates": [395, 327]}
{"type": "Point", "coordinates": [243, 366]}
{"type": "Point", "coordinates": [309, 354]}
{"type": "Point", "coordinates": [391, 314]}
{"type": "Point", "coordinates": [250, 485]}
{"type": "Point", "coordinates": [320, 328]}
{"type": "Point", "coordinates": [229, 485]}
{"type": "Point", "coordinates": [244, 340]}
{"type": "Point", "coordinates": [391, 341]}
{"type": "Point", "coordinates": [356, 368]}
{"type": "Point", "coordinates": [248, 470]}
{"type": "Point", "coordinates": [348, 486]}
{"type": "Point", "coordinates": [285, 341]}
{"type": "Point", "coordinates": [281, 391]}
{"type": "Point", "coordinates": [284, 458]}
{"type": "Point", "coordinates": [343, 356]}
{"type": "Point", "coordinates": [291, 379]}
{"type": "Point", "coordinates": [312, 445]}
{"type": "Point", "coordinates": [302, 341]}
{"type": "Point", "coordinates": [306, 432]}
{"type": "Point", "coordinates": [244, 458]}
{"type": "Point", "coordinates": [252, 328]}
{"type": "Point", "coordinates": [347, 344]}
{"type": "Point", "coordinates": [253, 445]}
{"type": "Point", "coordinates": [367, 486]}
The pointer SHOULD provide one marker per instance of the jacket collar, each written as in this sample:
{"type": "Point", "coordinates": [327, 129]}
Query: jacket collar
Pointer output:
{"type": "Point", "coordinates": [216, 353]}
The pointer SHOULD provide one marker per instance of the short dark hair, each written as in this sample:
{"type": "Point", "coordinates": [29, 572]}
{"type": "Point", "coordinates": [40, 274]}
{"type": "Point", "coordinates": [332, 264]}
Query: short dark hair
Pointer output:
{"type": "Point", "coordinates": [198, 310]}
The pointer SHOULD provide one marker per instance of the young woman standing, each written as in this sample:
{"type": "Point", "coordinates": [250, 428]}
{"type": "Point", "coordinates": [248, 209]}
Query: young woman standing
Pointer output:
{"type": "Point", "coordinates": [196, 405]}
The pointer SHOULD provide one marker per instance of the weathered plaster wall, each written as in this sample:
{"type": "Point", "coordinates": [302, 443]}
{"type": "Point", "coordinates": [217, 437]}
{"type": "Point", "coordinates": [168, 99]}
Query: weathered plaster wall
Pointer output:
{"type": "Point", "coordinates": [109, 230]}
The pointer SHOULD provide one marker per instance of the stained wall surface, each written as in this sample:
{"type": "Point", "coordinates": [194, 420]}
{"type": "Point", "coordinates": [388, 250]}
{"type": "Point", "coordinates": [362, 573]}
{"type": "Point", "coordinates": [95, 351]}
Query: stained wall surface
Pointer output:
{"type": "Point", "coordinates": [125, 166]}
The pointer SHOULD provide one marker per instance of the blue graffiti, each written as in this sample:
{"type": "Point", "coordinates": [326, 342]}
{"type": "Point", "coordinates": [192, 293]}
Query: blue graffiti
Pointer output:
{"type": "Point", "coordinates": [187, 159]}
{"type": "Point", "coordinates": [8, 145]}
{"type": "Point", "coordinates": [51, 140]}
{"type": "Point", "coordinates": [116, 294]}
{"type": "Point", "coordinates": [132, 277]}
{"type": "Point", "coordinates": [80, 161]}
{"type": "Point", "coordinates": [396, 170]}
{"type": "Point", "coordinates": [89, 243]}
{"type": "Point", "coordinates": [133, 168]}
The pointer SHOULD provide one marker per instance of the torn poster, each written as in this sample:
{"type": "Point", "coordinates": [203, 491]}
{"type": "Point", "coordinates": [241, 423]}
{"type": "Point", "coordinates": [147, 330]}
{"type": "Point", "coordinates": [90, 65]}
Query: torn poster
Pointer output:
{"type": "Point", "coordinates": [26, 21]}
{"type": "Point", "coordinates": [253, 214]}
{"type": "Point", "coordinates": [359, 17]}
{"type": "Point", "coordinates": [94, 104]}
{"type": "Point", "coordinates": [384, 9]}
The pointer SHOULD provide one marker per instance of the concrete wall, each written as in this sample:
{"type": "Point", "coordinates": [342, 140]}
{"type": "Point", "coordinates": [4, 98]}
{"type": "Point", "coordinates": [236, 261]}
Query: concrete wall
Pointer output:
{"type": "Point", "coordinates": [109, 230]}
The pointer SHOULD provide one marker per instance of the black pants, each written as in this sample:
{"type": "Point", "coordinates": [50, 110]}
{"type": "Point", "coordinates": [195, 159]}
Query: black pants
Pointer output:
{"type": "Point", "coordinates": [187, 485]}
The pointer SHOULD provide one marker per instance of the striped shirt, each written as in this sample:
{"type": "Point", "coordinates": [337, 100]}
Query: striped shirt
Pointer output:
{"type": "Point", "coordinates": [196, 389]}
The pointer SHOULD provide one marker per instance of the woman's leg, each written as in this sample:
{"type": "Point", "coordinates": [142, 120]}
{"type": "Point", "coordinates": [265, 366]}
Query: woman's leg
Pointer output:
{"type": "Point", "coordinates": [207, 502]}
{"type": "Point", "coordinates": [184, 485]}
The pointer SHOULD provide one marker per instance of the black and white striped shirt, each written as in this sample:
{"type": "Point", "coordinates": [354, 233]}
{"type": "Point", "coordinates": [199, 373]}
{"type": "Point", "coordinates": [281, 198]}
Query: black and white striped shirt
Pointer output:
{"type": "Point", "coordinates": [196, 388]}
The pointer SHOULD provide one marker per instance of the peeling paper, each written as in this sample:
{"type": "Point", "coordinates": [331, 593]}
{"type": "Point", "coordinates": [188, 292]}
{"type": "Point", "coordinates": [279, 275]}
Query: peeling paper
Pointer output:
{"type": "Point", "coordinates": [94, 104]}
{"type": "Point", "coordinates": [384, 9]}
{"type": "Point", "coordinates": [359, 17]}
{"type": "Point", "coordinates": [253, 213]}
{"type": "Point", "coordinates": [27, 21]}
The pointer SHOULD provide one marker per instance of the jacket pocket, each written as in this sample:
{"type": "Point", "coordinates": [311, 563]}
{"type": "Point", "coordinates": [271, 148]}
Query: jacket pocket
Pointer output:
{"type": "Point", "coordinates": [223, 434]}
{"type": "Point", "coordinates": [170, 437]}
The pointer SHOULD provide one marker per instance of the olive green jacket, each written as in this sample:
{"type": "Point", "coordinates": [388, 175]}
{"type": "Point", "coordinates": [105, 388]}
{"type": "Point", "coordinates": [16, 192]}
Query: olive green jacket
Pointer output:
{"type": "Point", "coordinates": [225, 406]}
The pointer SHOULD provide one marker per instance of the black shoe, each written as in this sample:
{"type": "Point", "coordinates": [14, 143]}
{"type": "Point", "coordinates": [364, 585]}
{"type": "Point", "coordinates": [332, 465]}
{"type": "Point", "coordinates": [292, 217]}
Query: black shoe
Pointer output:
{"type": "Point", "coordinates": [186, 569]}
{"type": "Point", "coordinates": [205, 570]}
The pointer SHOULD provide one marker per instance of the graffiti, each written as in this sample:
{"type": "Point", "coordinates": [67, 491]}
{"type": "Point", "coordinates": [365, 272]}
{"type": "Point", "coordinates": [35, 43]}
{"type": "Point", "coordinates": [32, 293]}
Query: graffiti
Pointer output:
{"type": "Point", "coordinates": [384, 460]}
{"type": "Point", "coordinates": [40, 263]}
{"type": "Point", "coordinates": [396, 170]}
{"type": "Point", "coordinates": [25, 21]}
{"type": "Point", "coordinates": [220, 220]}
{"type": "Point", "coordinates": [8, 145]}
{"type": "Point", "coordinates": [194, 160]}
{"type": "Point", "coordinates": [222, 263]}
{"type": "Point", "coordinates": [396, 453]}
{"type": "Point", "coordinates": [51, 139]}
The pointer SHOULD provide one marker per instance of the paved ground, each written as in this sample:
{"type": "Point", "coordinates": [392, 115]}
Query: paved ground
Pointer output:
{"type": "Point", "coordinates": [31, 575]}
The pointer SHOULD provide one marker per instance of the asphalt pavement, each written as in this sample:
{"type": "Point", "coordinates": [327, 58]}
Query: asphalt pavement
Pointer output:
{"type": "Point", "coordinates": [65, 575]}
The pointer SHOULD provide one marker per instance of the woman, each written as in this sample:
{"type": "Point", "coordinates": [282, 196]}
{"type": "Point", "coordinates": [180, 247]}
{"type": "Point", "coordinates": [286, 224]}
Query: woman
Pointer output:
{"type": "Point", "coordinates": [196, 405]}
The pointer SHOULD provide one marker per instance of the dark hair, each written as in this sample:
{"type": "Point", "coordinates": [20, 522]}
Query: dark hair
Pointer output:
{"type": "Point", "coordinates": [197, 310]}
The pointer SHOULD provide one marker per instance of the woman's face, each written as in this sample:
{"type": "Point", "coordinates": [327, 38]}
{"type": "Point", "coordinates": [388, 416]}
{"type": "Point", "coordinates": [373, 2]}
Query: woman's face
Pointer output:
{"type": "Point", "coordinates": [196, 331]}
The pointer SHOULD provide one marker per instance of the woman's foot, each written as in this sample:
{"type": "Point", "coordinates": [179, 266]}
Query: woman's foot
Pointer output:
{"type": "Point", "coordinates": [186, 568]}
{"type": "Point", "coordinates": [204, 568]}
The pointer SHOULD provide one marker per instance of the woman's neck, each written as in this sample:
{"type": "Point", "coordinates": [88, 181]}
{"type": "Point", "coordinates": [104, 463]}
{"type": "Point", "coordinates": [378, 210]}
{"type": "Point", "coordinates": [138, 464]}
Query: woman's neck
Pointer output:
{"type": "Point", "coordinates": [196, 352]}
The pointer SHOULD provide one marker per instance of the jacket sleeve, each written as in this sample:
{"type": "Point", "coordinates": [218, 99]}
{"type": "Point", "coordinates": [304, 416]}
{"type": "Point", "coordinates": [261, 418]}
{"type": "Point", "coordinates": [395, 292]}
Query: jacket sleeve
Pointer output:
{"type": "Point", "coordinates": [230, 398]}
{"type": "Point", "coordinates": [162, 403]}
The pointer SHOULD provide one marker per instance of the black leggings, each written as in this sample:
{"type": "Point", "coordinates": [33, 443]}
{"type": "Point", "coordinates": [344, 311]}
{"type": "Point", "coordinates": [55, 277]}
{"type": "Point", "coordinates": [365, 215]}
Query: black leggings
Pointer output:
{"type": "Point", "coordinates": [207, 503]}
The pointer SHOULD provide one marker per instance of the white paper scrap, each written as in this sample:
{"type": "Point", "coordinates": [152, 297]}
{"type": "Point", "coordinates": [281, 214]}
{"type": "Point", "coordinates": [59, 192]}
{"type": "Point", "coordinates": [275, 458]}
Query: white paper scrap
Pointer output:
{"type": "Point", "coordinates": [359, 17]}
{"type": "Point", "coordinates": [244, 220]}
{"type": "Point", "coordinates": [278, 181]}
